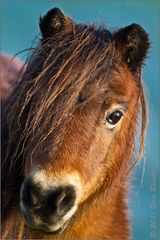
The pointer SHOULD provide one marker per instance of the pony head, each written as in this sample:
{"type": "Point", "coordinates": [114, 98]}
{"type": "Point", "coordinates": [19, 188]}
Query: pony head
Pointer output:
{"type": "Point", "coordinates": [72, 119]}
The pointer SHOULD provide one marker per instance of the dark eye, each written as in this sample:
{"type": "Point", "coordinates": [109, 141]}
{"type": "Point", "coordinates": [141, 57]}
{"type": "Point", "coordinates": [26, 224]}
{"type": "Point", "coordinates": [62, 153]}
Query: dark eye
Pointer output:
{"type": "Point", "coordinates": [114, 117]}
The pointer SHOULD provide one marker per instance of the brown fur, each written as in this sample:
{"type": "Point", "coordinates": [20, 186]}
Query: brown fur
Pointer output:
{"type": "Point", "coordinates": [56, 119]}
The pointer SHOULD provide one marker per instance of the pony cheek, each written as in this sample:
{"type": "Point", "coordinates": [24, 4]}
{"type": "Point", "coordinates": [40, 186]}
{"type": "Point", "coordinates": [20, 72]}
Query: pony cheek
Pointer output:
{"type": "Point", "coordinates": [97, 158]}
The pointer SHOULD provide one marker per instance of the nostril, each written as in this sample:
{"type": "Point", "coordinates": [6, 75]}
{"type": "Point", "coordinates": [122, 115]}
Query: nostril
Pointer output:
{"type": "Point", "coordinates": [35, 197]}
{"type": "Point", "coordinates": [65, 200]}
{"type": "Point", "coordinates": [30, 195]}
{"type": "Point", "coordinates": [60, 200]}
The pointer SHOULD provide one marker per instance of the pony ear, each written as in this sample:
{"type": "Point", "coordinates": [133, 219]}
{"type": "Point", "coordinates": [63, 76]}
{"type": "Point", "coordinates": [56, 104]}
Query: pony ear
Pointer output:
{"type": "Point", "coordinates": [53, 22]}
{"type": "Point", "coordinates": [132, 43]}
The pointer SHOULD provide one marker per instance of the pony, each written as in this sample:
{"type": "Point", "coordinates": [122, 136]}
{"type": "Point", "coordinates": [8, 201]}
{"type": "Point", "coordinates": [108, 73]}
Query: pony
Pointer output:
{"type": "Point", "coordinates": [69, 132]}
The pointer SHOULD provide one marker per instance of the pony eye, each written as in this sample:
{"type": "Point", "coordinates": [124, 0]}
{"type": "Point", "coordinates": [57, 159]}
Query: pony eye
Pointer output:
{"type": "Point", "coordinates": [114, 117]}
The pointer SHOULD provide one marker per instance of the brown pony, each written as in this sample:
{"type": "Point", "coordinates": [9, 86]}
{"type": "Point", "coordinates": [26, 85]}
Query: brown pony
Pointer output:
{"type": "Point", "coordinates": [69, 130]}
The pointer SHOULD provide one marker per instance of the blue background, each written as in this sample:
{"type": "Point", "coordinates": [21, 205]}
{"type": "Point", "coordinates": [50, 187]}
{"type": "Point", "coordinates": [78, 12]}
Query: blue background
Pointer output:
{"type": "Point", "coordinates": [19, 27]}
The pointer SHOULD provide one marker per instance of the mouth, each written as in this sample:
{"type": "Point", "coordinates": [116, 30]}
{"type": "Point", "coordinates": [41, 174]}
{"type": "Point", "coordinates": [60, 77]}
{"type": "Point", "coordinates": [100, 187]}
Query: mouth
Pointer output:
{"type": "Point", "coordinates": [52, 229]}
{"type": "Point", "coordinates": [49, 229]}
{"type": "Point", "coordinates": [61, 229]}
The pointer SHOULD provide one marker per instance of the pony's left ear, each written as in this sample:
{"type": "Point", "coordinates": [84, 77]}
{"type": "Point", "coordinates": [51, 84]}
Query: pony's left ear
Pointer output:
{"type": "Point", "coordinates": [54, 22]}
{"type": "Point", "coordinates": [132, 43]}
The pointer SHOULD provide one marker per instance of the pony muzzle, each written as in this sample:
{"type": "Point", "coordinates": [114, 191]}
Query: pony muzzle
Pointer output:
{"type": "Point", "coordinates": [48, 209]}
